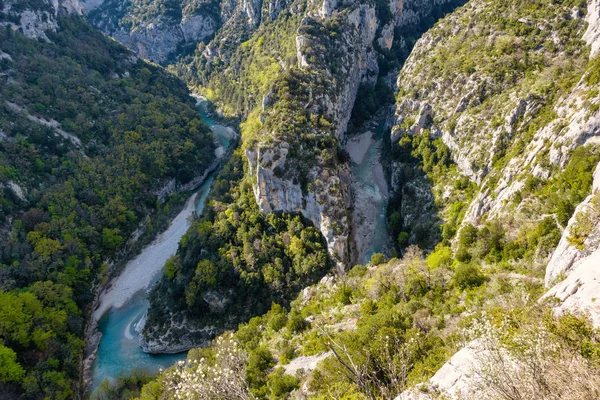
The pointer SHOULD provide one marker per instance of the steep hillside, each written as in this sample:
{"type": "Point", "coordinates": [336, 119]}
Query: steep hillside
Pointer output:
{"type": "Point", "coordinates": [307, 66]}
{"type": "Point", "coordinates": [502, 117]}
{"type": "Point", "coordinates": [493, 153]}
{"type": "Point", "coordinates": [94, 143]}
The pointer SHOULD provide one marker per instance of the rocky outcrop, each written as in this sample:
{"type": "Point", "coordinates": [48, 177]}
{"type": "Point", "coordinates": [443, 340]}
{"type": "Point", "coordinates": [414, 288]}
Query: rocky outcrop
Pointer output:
{"type": "Point", "coordinates": [567, 255]}
{"type": "Point", "coordinates": [37, 19]}
{"type": "Point", "coordinates": [198, 28]}
{"type": "Point", "coordinates": [159, 38]}
{"type": "Point", "coordinates": [33, 22]}
{"type": "Point", "coordinates": [578, 293]}
{"type": "Point", "coordinates": [353, 60]}
{"type": "Point", "coordinates": [163, 36]}
{"type": "Point", "coordinates": [482, 118]}
{"type": "Point", "coordinates": [325, 206]}
{"type": "Point", "coordinates": [179, 338]}
{"type": "Point", "coordinates": [457, 379]}
{"type": "Point", "coordinates": [592, 35]}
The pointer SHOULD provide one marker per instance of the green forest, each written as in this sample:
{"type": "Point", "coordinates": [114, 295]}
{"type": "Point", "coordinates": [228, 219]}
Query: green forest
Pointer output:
{"type": "Point", "coordinates": [234, 262]}
{"type": "Point", "coordinates": [88, 135]}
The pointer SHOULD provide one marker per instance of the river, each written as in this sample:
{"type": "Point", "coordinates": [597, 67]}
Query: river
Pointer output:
{"type": "Point", "coordinates": [123, 305]}
{"type": "Point", "coordinates": [370, 193]}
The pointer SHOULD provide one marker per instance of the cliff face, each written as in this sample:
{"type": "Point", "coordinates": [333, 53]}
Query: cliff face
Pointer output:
{"type": "Point", "coordinates": [156, 33]}
{"type": "Point", "coordinates": [34, 22]}
{"type": "Point", "coordinates": [513, 130]}
{"type": "Point", "coordinates": [162, 35]}
{"type": "Point", "coordinates": [343, 63]}
{"type": "Point", "coordinates": [505, 120]}
{"type": "Point", "coordinates": [327, 201]}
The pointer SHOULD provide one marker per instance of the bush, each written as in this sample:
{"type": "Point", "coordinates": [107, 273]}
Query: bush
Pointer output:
{"type": "Point", "coordinates": [276, 317]}
{"type": "Point", "coordinates": [377, 259]}
{"type": "Point", "coordinates": [358, 271]}
{"type": "Point", "coordinates": [296, 323]}
{"type": "Point", "coordinates": [468, 275]}
{"type": "Point", "coordinates": [344, 295]}
{"type": "Point", "coordinates": [463, 255]}
{"type": "Point", "coordinates": [369, 307]}
{"type": "Point", "coordinates": [468, 235]}
{"type": "Point", "coordinates": [441, 257]}
{"type": "Point", "coordinates": [280, 384]}
{"type": "Point", "coordinates": [403, 239]}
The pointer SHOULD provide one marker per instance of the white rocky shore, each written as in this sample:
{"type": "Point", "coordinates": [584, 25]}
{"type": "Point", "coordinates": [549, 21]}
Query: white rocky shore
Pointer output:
{"type": "Point", "coordinates": [145, 269]}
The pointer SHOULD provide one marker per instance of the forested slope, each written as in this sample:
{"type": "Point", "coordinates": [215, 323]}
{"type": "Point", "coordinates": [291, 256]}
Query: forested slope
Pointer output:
{"type": "Point", "coordinates": [89, 136]}
{"type": "Point", "coordinates": [294, 81]}
{"type": "Point", "coordinates": [493, 154]}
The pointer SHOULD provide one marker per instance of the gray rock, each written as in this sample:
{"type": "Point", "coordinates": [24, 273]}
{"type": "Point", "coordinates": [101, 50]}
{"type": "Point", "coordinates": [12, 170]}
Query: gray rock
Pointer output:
{"type": "Point", "coordinates": [566, 257]}
{"type": "Point", "coordinates": [455, 380]}
{"type": "Point", "coordinates": [592, 35]}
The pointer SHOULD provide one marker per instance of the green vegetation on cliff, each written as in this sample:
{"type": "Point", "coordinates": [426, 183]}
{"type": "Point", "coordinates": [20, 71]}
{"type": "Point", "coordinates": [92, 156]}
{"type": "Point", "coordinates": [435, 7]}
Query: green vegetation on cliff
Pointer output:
{"type": "Point", "coordinates": [88, 136]}
{"type": "Point", "coordinates": [233, 263]}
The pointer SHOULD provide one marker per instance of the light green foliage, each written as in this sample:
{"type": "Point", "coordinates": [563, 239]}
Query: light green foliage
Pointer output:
{"type": "Point", "coordinates": [10, 369]}
{"type": "Point", "coordinates": [138, 129]}
{"type": "Point", "coordinates": [377, 258]}
{"type": "Point", "coordinates": [585, 223]}
{"type": "Point", "coordinates": [235, 251]}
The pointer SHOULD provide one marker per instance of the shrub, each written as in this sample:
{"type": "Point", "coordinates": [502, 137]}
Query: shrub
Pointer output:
{"type": "Point", "coordinates": [344, 295]}
{"type": "Point", "coordinates": [369, 307]}
{"type": "Point", "coordinates": [463, 255]}
{"type": "Point", "coordinates": [358, 271]}
{"type": "Point", "coordinates": [468, 235]}
{"type": "Point", "coordinates": [280, 384]}
{"type": "Point", "coordinates": [296, 323]}
{"type": "Point", "coordinates": [403, 239]}
{"type": "Point", "coordinates": [377, 259]}
{"type": "Point", "coordinates": [441, 257]}
{"type": "Point", "coordinates": [468, 275]}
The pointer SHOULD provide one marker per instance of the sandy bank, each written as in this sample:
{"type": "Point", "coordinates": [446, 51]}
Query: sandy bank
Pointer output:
{"type": "Point", "coordinates": [358, 146]}
{"type": "Point", "coordinates": [146, 268]}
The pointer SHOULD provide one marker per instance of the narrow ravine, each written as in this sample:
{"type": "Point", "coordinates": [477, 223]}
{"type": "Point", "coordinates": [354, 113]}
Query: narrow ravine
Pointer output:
{"type": "Point", "coordinates": [370, 193]}
{"type": "Point", "coordinates": [124, 303]}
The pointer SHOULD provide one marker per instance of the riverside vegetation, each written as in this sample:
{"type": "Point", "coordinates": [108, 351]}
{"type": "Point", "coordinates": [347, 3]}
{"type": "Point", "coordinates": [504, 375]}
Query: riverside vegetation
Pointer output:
{"type": "Point", "coordinates": [73, 191]}
{"type": "Point", "coordinates": [491, 154]}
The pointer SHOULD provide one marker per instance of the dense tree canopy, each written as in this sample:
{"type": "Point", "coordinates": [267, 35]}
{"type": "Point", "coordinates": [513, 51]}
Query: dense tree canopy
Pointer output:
{"type": "Point", "coordinates": [88, 135]}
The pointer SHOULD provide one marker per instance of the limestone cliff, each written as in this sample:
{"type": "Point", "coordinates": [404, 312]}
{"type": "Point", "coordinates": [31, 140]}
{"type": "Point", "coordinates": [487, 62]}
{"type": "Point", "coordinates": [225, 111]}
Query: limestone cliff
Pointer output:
{"type": "Point", "coordinates": [464, 84]}
{"type": "Point", "coordinates": [157, 34]}
{"type": "Point", "coordinates": [343, 60]}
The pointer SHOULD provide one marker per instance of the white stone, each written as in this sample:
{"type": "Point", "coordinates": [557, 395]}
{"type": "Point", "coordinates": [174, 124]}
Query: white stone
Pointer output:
{"type": "Point", "coordinates": [592, 34]}
{"type": "Point", "coordinates": [456, 379]}
{"type": "Point", "coordinates": [580, 291]}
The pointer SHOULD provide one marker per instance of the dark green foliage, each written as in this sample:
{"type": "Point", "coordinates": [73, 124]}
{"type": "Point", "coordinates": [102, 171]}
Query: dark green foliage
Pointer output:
{"type": "Point", "coordinates": [249, 259]}
{"type": "Point", "coordinates": [138, 129]}
{"type": "Point", "coordinates": [296, 322]}
{"type": "Point", "coordinates": [281, 384]}
{"type": "Point", "coordinates": [276, 317]}
{"type": "Point", "coordinates": [468, 275]}
{"type": "Point", "coordinates": [260, 361]}
{"type": "Point", "coordinates": [369, 99]}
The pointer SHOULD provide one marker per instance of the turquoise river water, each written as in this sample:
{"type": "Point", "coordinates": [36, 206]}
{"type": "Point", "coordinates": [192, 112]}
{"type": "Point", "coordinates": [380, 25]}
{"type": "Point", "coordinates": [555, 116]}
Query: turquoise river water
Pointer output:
{"type": "Point", "coordinates": [119, 352]}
